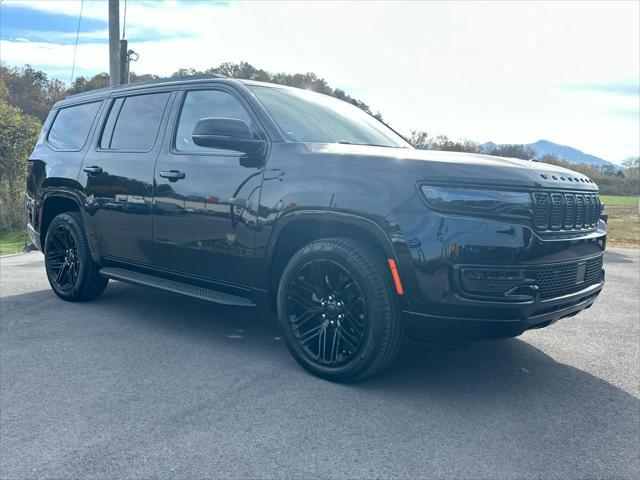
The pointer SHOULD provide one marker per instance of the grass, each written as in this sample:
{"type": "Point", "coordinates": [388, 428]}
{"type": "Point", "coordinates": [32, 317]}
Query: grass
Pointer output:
{"type": "Point", "coordinates": [12, 242]}
{"type": "Point", "coordinates": [619, 200]}
{"type": "Point", "coordinates": [623, 226]}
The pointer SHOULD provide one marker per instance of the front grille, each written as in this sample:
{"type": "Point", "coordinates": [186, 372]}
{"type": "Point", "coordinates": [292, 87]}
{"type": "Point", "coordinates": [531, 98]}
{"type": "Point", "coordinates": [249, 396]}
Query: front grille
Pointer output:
{"type": "Point", "coordinates": [566, 278]}
{"type": "Point", "coordinates": [563, 211]}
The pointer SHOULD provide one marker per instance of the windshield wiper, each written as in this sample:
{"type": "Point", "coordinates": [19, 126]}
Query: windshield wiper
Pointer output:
{"type": "Point", "coordinates": [367, 144]}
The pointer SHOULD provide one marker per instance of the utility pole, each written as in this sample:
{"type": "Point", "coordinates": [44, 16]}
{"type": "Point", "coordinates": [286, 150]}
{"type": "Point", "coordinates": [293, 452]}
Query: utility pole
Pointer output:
{"type": "Point", "coordinates": [115, 75]}
{"type": "Point", "coordinates": [124, 61]}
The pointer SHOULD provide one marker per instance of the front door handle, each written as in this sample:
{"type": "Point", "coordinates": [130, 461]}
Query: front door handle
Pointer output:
{"type": "Point", "coordinates": [172, 175]}
{"type": "Point", "coordinates": [92, 170]}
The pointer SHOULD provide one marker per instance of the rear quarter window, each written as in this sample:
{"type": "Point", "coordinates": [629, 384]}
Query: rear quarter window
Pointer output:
{"type": "Point", "coordinates": [71, 126]}
{"type": "Point", "coordinates": [133, 122]}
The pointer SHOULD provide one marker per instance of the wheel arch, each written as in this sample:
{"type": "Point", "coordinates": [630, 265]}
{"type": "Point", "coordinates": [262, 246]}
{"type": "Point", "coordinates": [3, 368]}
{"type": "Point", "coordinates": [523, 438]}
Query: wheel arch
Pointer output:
{"type": "Point", "coordinates": [55, 202]}
{"type": "Point", "coordinates": [298, 228]}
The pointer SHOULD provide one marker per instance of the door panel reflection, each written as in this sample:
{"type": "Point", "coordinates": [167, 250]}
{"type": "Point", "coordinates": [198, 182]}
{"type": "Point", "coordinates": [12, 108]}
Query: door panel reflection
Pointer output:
{"type": "Point", "coordinates": [204, 224]}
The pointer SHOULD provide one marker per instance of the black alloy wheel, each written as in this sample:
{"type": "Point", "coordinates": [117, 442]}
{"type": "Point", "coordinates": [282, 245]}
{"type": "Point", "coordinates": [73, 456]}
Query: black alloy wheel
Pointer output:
{"type": "Point", "coordinates": [71, 271]}
{"type": "Point", "coordinates": [327, 312]}
{"type": "Point", "coordinates": [62, 258]}
{"type": "Point", "coordinates": [338, 310]}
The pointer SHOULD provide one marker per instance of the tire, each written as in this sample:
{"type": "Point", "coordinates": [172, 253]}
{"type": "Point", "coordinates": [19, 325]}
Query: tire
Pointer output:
{"type": "Point", "coordinates": [328, 330]}
{"type": "Point", "coordinates": [71, 272]}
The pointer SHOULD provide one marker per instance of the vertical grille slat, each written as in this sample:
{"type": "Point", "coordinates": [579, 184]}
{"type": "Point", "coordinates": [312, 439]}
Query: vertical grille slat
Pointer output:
{"type": "Point", "coordinates": [557, 211]}
{"type": "Point", "coordinates": [579, 211]}
{"type": "Point", "coordinates": [588, 209]}
{"type": "Point", "coordinates": [569, 211]}
{"type": "Point", "coordinates": [564, 211]}
{"type": "Point", "coordinates": [541, 210]}
{"type": "Point", "coordinates": [595, 214]}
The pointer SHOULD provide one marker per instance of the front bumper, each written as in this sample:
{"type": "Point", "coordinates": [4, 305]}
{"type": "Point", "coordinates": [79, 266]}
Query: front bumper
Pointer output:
{"type": "Point", "coordinates": [440, 248]}
{"type": "Point", "coordinates": [441, 328]}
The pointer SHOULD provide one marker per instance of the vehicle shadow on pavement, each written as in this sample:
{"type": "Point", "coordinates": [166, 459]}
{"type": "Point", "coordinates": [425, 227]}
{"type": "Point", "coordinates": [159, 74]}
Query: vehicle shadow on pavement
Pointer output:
{"type": "Point", "coordinates": [504, 401]}
{"type": "Point", "coordinates": [497, 392]}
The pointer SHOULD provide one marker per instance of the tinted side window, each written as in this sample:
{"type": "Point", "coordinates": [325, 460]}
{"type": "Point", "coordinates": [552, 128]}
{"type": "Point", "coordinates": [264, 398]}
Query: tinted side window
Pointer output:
{"type": "Point", "coordinates": [137, 122]}
{"type": "Point", "coordinates": [200, 104]}
{"type": "Point", "coordinates": [71, 126]}
{"type": "Point", "coordinates": [105, 141]}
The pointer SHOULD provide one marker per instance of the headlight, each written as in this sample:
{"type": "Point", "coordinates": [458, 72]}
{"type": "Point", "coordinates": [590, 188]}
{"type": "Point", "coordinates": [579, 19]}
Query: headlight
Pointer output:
{"type": "Point", "coordinates": [478, 201]}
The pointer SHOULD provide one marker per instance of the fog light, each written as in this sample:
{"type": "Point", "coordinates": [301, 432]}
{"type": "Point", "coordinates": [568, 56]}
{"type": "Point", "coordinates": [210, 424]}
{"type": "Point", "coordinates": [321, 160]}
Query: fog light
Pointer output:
{"type": "Point", "coordinates": [492, 282]}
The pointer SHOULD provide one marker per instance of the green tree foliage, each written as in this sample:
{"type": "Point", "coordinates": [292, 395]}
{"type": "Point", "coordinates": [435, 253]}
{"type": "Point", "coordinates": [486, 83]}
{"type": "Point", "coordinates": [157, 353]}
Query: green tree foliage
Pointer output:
{"type": "Point", "coordinates": [419, 139]}
{"type": "Point", "coordinates": [442, 142]}
{"type": "Point", "coordinates": [422, 141]}
{"type": "Point", "coordinates": [18, 134]}
{"type": "Point", "coordinates": [82, 84]}
{"type": "Point", "coordinates": [242, 70]}
{"type": "Point", "coordinates": [308, 81]}
{"type": "Point", "coordinates": [511, 151]}
{"type": "Point", "coordinates": [29, 90]}
{"type": "Point", "coordinates": [610, 180]}
{"type": "Point", "coordinates": [632, 168]}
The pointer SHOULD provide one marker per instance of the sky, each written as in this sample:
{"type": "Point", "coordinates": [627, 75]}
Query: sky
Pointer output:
{"type": "Point", "coordinates": [484, 71]}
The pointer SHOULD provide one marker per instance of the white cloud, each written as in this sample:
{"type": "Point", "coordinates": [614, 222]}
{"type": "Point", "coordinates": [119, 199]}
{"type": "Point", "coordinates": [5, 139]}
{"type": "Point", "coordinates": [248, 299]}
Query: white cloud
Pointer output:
{"type": "Point", "coordinates": [485, 71]}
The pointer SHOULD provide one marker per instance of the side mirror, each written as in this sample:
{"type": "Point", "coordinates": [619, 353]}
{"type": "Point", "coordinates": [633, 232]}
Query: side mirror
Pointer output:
{"type": "Point", "coordinates": [228, 134]}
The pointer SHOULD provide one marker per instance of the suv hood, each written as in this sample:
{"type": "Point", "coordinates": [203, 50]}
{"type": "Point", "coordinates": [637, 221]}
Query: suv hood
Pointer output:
{"type": "Point", "coordinates": [465, 168]}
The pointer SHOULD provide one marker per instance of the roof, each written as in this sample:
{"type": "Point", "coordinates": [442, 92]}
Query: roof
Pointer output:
{"type": "Point", "coordinates": [102, 92]}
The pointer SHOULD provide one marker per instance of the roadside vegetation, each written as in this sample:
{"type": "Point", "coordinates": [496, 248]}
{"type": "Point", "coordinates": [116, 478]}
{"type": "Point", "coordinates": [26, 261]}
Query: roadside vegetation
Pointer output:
{"type": "Point", "coordinates": [624, 221]}
{"type": "Point", "coordinates": [13, 242]}
{"type": "Point", "coordinates": [27, 95]}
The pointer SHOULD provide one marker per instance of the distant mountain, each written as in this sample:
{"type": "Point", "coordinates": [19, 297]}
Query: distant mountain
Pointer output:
{"type": "Point", "coordinates": [570, 154]}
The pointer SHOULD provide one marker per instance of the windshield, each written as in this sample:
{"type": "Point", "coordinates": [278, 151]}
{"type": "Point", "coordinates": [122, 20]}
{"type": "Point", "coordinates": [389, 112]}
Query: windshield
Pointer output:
{"type": "Point", "coordinates": [305, 116]}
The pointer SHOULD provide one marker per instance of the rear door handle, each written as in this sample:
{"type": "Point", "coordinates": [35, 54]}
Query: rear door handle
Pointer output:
{"type": "Point", "coordinates": [92, 170]}
{"type": "Point", "coordinates": [172, 175]}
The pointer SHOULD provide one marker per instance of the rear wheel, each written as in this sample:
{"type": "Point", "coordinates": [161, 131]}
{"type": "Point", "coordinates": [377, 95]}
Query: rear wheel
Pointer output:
{"type": "Point", "coordinates": [338, 311]}
{"type": "Point", "coordinates": [72, 274]}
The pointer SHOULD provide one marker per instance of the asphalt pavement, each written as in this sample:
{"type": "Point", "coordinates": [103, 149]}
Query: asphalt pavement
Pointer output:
{"type": "Point", "coordinates": [140, 384]}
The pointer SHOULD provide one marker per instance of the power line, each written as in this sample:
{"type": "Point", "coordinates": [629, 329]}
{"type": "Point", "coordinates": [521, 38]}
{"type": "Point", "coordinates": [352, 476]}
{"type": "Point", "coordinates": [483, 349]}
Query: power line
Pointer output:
{"type": "Point", "coordinates": [75, 49]}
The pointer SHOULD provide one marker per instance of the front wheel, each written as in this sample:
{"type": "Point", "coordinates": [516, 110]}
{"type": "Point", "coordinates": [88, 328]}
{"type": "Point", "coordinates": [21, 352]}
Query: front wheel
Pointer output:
{"type": "Point", "coordinates": [72, 274]}
{"type": "Point", "coordinates": [338, 311]}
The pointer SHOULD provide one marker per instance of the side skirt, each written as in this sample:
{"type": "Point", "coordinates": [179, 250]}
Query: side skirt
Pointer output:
{"type": "Point", "coordinates": [173, 286]}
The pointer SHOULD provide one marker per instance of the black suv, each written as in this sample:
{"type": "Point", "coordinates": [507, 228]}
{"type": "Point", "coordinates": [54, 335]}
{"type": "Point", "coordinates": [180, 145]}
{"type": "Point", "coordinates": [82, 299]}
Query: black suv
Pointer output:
{"type": "Point", "coordinates": [246, 193]}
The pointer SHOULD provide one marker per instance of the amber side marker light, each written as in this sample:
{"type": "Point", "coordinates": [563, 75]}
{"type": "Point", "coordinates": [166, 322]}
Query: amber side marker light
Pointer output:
{"type": "Point", "coordinates": [396, 276]}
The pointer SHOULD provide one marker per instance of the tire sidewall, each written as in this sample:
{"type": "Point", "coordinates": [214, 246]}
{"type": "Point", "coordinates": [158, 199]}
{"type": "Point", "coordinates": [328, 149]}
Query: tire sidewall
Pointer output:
{"type": "Point", "coordinates": [374, 311]}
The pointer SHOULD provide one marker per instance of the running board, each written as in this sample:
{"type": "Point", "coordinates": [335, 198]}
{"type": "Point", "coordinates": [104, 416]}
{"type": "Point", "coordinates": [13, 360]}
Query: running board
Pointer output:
{"type": "Point", "coordinates": [145, 280]}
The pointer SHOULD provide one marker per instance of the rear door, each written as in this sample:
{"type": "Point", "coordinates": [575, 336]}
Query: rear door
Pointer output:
{"type": "Point", "coordinates": [117, 175]}
{"type": "Point", "coordinates": [205, 198]}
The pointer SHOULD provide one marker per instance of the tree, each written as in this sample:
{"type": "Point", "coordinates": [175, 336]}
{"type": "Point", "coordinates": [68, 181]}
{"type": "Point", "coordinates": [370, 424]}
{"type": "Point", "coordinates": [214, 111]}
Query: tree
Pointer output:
{"type": "Point", "coordinates": [18, 134]}
{"type": "Point", "coordinates": [442, 142]}
{"type": "Point", "coordinates": [511, 151]}
{"type": "Point", "coordinates": [27, 89]}
{"type": "Point", "coordinates": [553, 159]}
{"type": "Point", "coordinates": [55, 91]}
{"type": "Point", "coordinates": [631, 167]}
{"type": "Point", "coordinates": [422, 141]}
{"type": "Point", "coordinates": [307, 81]}
{"type": "Point", "coordinates": [82, 84]}
{"type": "Point", "coordinates": [419, 139]}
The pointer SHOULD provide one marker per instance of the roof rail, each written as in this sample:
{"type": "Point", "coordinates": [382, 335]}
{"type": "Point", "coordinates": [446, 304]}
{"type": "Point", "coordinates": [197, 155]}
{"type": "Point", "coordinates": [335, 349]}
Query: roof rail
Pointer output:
{"type": "Point", "coordinates": [150, 82]}
{"type": "Point", "coordinates": [183, 78]}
